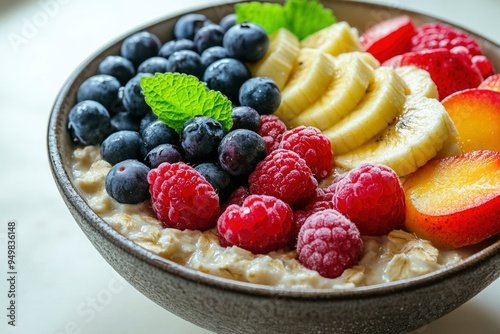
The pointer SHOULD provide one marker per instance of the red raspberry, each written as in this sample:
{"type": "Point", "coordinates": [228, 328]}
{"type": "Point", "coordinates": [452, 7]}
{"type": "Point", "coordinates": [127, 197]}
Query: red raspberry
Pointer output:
{"type": "Point", "coordinates": [182, 198]}
{"type": "Point", "coordinates": [431, 36]}
{"type": "Point", "coordinates": [329, 243]}
{"type": "Point", "coordinates": [312, 146]}
{"type": "Point", "coordinates": [372, 197]}
{"type": "Point", "coordinates": [271, 130]}
{"type": "Point", "coordinates": [285, 175]}
{"type": "Point", "coordinates": [237, 197]}
{"type": "Point", "coordinates": [260, 225]}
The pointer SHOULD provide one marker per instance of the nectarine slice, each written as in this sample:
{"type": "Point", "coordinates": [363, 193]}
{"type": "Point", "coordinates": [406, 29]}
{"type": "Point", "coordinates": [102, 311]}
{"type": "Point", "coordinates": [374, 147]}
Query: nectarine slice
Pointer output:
{"type": "Point", "coordinates": [491, 83]}
{"type": "Point", "coordinates": [455, 201]}
{"type": "Point", "coordinates": [476, 115]}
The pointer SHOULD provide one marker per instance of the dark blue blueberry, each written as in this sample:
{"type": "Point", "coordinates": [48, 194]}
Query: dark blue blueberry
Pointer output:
{"type": "Point", "coordinates": [220, 180]}
{"type": "Point", "coordinates": [240, 151]}
{"type": "Point", "coordinates": [188, 25]}
{"type": "Point", "coordinates": [153, 65]}
{"type": "Point", "coordinates": [89, 123]}
{"type": "Point", "coordinates": [228, 21]}
{"type": "Point", "coordinates": [260, 93]}
{"type": "Point", "coordinates": [119, 67]}
{"type": "Point", "coordinates": [208, 36]}
{"type": "Point", "coordinates": [140, 46]}
{"type": "Point", "coordinates": [156, 133]}
{"type": "Point", "coordinates": [176, 45]}
{"type": "Point", "coordinates": [200, 138]}
{"type": "Point", "coordinates": [124, 121]}
{"type": "Point", "coordinates": [121, 145]}
{"type": "Point", "coordinates": [148, 118]}
{"type": "Point", "coordinates": [245, 118]}
{"type": "Point", "coordinates": [101, 88]}
{"type": "Point", "coordinates": [185, 61]}
{"type": "Point", "coordinates": [227, 75]}
{"type": "Point", "coordinates": [163, 153]}
{"type": "Point", "coordinates": [246, 41]}
{"type": "Point", "coordinates": [213, 54]}
{"type": "Point", "coordinates": [133, 99]}
{"type": "Point", "coordinates": [127, 182]}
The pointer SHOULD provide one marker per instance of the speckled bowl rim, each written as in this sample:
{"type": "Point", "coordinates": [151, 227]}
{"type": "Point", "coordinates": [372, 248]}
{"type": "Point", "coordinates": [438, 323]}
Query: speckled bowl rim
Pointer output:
{"type": "Point", "coordinates": [56, 135]}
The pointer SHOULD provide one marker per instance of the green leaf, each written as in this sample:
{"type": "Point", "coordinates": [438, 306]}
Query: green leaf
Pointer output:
{"type": "Point", "coordinates": [270, 16]}
{"type": "Point", "coordinates": [176, 98]}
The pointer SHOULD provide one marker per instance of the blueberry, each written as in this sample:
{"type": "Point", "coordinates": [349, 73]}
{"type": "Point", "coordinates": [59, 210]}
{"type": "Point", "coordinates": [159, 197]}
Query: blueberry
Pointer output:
{"type": "Point", "coordinates": [148, 118]}
{"type": "Point", "coordinates": [260, 93]}
{"type": "Point", "coordinates": [119, 67]}
{"type": "Point", "coordinates": [185, 61]}
{"type": "Point", "coordinates": [220, 180]}
{"type": "Point", "coordinates": [213, 54]}
{"type": "Point", "coordinates": [208, 36]}
{"type": "Point", "coordinates": [227, 75]}
{"type": "Point", "coordinates": [200, 138]}
{"type": "Point", "coordinates": [188, 25]}
{"type": "Point", "coordinates": [140, 46]}
{"type": "Point", "coordinates": [156, 133]}
{"type": "Point", "coordinates": [163, 153]}
{"type": "Point", "coordinates": [228, 21]}
{"type": "Point", "coordinates": [176, 45]}
{"type": "Point", "coordinates": [102, 88]}
{"type": "Point", "coordinates": [124, 121]}
{"type": "Point", "coordinates": [153, 65]}
{"type": "Point", "coordinates": [240, 151]}
{"type": "Point", "coordinates": [246, 41]}
{"type": "Point", "coordinates": [127, 182]}
{"type": "Point", "coordinates": [89, 123]}
{"type": "Point", "coordinates": [245, 118]}
{"type": "Point", "coordinates": [121, 145]}
{"type": "Point", "coordinates": [133, 98]}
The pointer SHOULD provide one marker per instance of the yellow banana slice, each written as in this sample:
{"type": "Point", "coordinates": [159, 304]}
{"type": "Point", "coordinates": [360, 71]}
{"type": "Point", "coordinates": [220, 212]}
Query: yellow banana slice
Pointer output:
{"type": "Point", "coordinates": [335, 39]}
{"type": "Point", "coordinates": [344, 92]}
{"type": "Point", "coordinates": [418, 81]}
{"type": "Point", "coordinates": [379, 107]}
{"type": "Point", "coordinates": [310, 77]}
{"type": "Point", "coordinates": [280, 58]}
{"type": "Point", "coordinates": [409, 142]}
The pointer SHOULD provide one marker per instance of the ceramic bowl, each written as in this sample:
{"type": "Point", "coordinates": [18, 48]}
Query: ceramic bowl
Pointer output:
{"type": "Point", "coordinates": [226, 306]}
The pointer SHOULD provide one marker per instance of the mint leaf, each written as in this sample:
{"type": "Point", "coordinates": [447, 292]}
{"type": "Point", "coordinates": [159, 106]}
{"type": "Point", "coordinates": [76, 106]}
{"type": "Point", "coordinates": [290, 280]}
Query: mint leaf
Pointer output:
{"type": "Point", "coordinates": [301, 17]}
{"type": "Point", "coordinates": [176, 98]}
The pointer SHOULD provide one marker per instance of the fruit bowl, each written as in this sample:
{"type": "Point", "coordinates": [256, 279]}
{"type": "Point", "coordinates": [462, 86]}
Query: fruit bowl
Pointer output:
{"type": "Point", "coordinates": [227, 306]}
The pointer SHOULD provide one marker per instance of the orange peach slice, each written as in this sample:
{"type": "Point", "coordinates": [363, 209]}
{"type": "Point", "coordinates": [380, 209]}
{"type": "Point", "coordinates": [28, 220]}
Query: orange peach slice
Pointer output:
{"type": "Point", "coordinates": [491, 83]}
{"type": "Point", "coordinates": [455, 201]}
{"type": "Point", "coordinates": [476, 115]}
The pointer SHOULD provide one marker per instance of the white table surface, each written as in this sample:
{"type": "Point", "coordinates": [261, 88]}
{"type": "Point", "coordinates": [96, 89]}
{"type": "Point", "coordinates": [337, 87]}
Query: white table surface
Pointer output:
{"type": "Point", "coordinates": [64, 285]}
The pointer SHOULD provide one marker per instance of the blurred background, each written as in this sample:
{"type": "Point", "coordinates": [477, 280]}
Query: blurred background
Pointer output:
{"type": "Point", "coordinates": [64, 285]}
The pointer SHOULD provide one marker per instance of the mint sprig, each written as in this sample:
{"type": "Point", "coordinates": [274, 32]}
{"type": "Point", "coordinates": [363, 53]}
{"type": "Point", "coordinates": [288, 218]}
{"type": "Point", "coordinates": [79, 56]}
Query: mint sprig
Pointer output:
{"type": "Point", "coordinates": [302, 17]}
{"type": "Point", "coordinates": [176, 98]}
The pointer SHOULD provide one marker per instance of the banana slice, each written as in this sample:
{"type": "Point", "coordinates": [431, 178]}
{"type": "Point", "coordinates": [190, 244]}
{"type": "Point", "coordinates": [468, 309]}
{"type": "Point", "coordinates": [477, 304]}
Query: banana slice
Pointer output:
{"type": "Point", "coordinates": [365, 56]}
{"type": "Point", "coordinates": [310, 77]}
{"type": "Point", "coordinates": [413, 138]}
{"type": "Point", "coordinates": [379, 107]}
{"type": "Point", "coordinates": [280, 58]}
{"type": "Point", "coordinates": [335, 39]}
{"type": "Point", "coordinates": [344, 92]}
{"type": "Point", "coordinates": [418, 81]}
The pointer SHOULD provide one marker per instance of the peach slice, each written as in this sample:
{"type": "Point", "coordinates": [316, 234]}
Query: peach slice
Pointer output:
{"type": "Point", "coordinates": [491, 83]}
{"type": "Point", "coordinates": [455, 201]}
{"type": "Point", "coordinates": [476, 115]}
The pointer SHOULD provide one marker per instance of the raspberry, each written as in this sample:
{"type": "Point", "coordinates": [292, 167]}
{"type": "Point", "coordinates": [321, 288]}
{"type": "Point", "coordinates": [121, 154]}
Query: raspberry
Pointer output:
{"type": "Point", "coordinates": [483, 64]}
{"type": "Point", "coordinates": [329, 243]}
{"type": "Point", "coordinates": [285, 175]}
{"type": "Point", "coordinates": [312, 146]}
{"type": "Point", "coordinates": [272, 130]}
{"type": "Point", "coordinates": [237, 197]}
{"type": "Point", "coordinates": [440, 35]}
{"type": "Point", "coordinates": [372, 197]}
{"type": "Point", "coordinates": [260, 225]}
{"type": "Point", "coordinates": [182, 198]}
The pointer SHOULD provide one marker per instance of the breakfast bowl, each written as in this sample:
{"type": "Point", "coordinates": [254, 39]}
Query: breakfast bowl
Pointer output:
{"type": "Point", "coordinates": [224, 305]}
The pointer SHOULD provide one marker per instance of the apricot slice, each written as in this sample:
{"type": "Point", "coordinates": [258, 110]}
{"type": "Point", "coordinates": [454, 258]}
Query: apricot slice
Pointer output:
{"type": "Point", "coordinates": [476, 115]}
{"type": "Point", "coordinates": [455, 201]}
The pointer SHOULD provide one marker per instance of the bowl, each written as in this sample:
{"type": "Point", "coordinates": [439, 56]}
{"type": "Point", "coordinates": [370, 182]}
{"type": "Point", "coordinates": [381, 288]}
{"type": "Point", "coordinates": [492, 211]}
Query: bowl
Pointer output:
{"type": "Point", "coordinates": [226, 306]}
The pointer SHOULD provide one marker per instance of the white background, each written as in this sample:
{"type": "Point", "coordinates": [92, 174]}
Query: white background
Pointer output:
{"type": "Point", "coordinates": [64, 285]}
